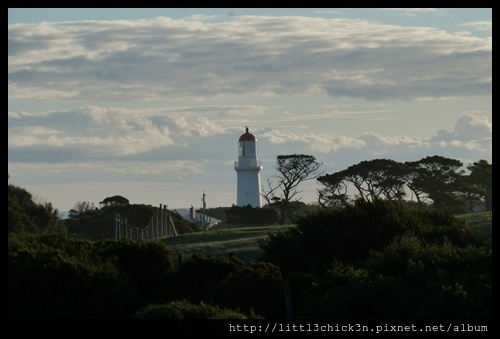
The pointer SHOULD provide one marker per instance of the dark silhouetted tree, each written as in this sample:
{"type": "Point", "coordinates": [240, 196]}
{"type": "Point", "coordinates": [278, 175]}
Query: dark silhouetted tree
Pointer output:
{"type": "Point", "coordinates": [244, 216]}
{"type": "Point", "coordinates": [114, 200]}
{"type": "Point", "coordinates": [283, 186]}
{"type": "Point", "coordinates": [436, 178]}
{"type": "Point", "coordinates": [43, 216]}
{"type": "Point", "coordinates": [481, 175]}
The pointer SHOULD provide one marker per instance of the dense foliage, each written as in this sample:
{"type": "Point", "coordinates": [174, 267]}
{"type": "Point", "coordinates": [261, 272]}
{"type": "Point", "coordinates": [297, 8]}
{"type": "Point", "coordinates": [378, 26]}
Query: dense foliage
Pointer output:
{"type": "Point", "coordinates": [181, 309]}
{"type": "Point", "coordinates": [432, 181]}
{"type": "Point", "coordinates": [53, 277]}
{"type": "Point", "coordinates": [349, 233]}
{"type": "Point", "coordinates": [27, 215]}
{"type": "Point", "coordinates": [384, 260]}
{"type": "Point", "coordinates": [246, 216]}
{"type": "Point", "coordinates": [373, 259]}
{"type": "Point", "coordinates": [99, 224]}
{"type": "Point", "coordinates": [408, 279]}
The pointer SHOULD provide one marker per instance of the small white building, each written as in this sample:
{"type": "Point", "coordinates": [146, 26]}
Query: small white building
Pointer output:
{"type": "Point", "coordinates": [248, 169]}
{"type": "Point", "coordinates": [201, 219]}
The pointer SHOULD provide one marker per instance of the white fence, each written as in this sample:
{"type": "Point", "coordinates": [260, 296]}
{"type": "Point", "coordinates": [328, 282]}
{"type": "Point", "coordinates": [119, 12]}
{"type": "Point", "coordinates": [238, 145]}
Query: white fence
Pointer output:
{"type": "Point", "coordinates": [161, 225]}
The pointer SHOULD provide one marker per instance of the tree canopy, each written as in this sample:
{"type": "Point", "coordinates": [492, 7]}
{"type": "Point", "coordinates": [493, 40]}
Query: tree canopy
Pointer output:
{"type": "Point", "coordinates": [114, 200]}
{"type": "Point", "coordinates": [437, 181]}
{"type": "Point", "coordinates": [26, 214]}
{"type": "Point", "coordinates": [291, 170]}
{"type": "Point", "coordinates": [244, 216]}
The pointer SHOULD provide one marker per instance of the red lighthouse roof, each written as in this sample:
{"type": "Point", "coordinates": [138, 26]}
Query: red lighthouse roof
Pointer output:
{"type": "Point", "coordinates": [247, 136]}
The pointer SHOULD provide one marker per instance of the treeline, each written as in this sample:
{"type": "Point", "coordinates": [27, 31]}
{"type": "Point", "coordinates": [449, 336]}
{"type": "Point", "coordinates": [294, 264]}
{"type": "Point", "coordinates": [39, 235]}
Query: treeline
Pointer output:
{"type": "Point", "coordinates": [385, 260]}
{"type": "Point", "coordinates": [434, 180]}
{"type": "Point", "coordinates": [26, 215]}
{"type": "Point", "coordinates": [380, 259]}
{"type": "Point", "coordinates": [373, 255]}
{"type": "Point", "coordinates": [85, 220]}
{"type": "Point", "coordinates": [98, 224]}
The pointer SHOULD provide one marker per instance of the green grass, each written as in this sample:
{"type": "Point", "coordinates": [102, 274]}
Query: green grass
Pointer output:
{"type": "Point", "coordinates": [238, 242]}
{"type": "Point", "coordinates": [479, 220]}
{"type": "Point", "coordinates": [242, 242]}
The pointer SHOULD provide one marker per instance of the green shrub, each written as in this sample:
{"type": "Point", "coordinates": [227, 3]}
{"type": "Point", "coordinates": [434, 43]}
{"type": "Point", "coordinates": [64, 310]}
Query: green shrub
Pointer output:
{"type": "Point", "coordinates": [18, 220]}
{"type": "Point", "coordinates": [182, 309]}
{"type": "Point", "coordinates": [199, 278]}
{"type": "Point", "coordinates": [258, 287]}
{"type": "Point", "coordinates": [348, 234]}
{"type": "Point", "coordinates": [144, 264]}
{"type": "Point", "coordinates": [51, 277]}
{"type": "Point", "coordinates": [406, 280]}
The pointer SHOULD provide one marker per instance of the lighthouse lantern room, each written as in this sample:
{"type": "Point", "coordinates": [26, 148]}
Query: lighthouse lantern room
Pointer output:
{"type": "Point", "coordinates": [248, 169]}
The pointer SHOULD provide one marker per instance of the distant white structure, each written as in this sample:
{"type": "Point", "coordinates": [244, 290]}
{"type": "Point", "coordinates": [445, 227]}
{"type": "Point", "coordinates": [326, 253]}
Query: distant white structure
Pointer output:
{"type": "Point", "coordinates": [248, 169]}
{"type": "Point", "coordinates": [201, 219]}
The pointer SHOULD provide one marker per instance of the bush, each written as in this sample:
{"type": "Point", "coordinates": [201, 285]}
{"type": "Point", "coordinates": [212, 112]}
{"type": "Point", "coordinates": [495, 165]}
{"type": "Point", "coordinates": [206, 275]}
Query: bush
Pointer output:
{"type": "Point", "coordinates": [247, 216]}
{"type": "Point", "coordinates": [182, 309]}
{"type": "Point", "coordinates": [18, 220]}
{"type": "Point", "coordinates": [407, 280]}
{"type": "Point", "coordinates": [27, 215]}
{"type": "Point", "coordinates": [199, 278]}
{"type": "Point", "coordinates": [144, 264]}
{"type": "Point", "coordinates": [258, 288]}
{"type": "Point", "coordinates": [51, 277]}
{"type": "Point", "coordinates": [348, 234]}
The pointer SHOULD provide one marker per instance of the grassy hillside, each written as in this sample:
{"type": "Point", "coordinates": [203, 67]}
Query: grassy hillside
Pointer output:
{"type": "Point", "coordinates": [242, 242]}
{"type": "Point", "coordinates": [480, 220]}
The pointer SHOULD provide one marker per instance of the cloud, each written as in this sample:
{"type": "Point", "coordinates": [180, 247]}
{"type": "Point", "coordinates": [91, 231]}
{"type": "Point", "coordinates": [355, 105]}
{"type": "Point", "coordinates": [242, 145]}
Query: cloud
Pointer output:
{"type": "Point", "coordinates": [413, 10]}
{"type": "Point", "coordinates": [472, 133]}
{"type": "Point", "coordinates": [152, 109]}
{"type": "Point", "coordinates": [326, 143]}
{"type": "Point", "coordinates": [202, 158]}
{"type": "Point", "coordinates": [480, 25]}
{"type": "Point", "coordinates": [92, 130]}
{"type": "Point", "coordinates": [162, 58]}
{"type": "Point", "coordinates": [95, 133]}
{"type": "Point", "coordinates": [470, 139]}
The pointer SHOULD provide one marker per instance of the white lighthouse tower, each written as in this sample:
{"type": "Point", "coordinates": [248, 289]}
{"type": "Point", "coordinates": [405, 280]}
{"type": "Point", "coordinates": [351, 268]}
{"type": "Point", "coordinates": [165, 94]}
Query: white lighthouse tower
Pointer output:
{"type": "Point", "coordinates": [248, 171]}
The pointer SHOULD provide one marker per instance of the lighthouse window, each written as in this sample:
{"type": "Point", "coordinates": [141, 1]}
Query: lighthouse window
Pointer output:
{"type": "Point", "coordinates": [241, 149]}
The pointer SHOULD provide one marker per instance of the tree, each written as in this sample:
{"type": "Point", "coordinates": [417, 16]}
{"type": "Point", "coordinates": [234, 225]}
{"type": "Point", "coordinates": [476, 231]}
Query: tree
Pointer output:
{"type": "Point", "coordinates": [245, 216]}
{"type": "Point", "coordinates": [182, 309]}
{"type": "Point", "coordinates": [145, 264]}
{"type": "Point", "coordinates": [199, 278]}
{"type": "Point", "coordinates": [55, 277]}
{"type": "Point", "coordinates": [257, 287]}
{"type": "Point", "coordinates": [436, 178]}
{"type": "Point", "coordinates": [43, 217]}
{"type": "Point", "coordinates": [291, 171]}
{"type": "Point", "coordinates": [350, 233]}
{"type": "Point", "coordinates": [114, 200]}
{"type": "Point", "coordinates": [469, 193]}
{"type": "Point", "coordinates": [374, 179]}
{"type": "Point", "coordinates": [18, 220]}
{"type": "Point", "coordinates": [377, 178]}
{"type": "Point", "coordinates": [80, 208]}
{"type": "Point", "coordinates": [407, 279]}
{"type": "Point", "coordinates": [334, 191]}
{"type": "Point", "coordinates": [481, 176]}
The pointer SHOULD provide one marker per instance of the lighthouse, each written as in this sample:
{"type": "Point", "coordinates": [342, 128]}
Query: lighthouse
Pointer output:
{"type": "Point", "coordinates": [248, 171]}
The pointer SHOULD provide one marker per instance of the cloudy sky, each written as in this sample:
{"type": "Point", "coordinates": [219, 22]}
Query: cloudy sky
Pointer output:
{"type": "Point", "coordinates": [149, 103]}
